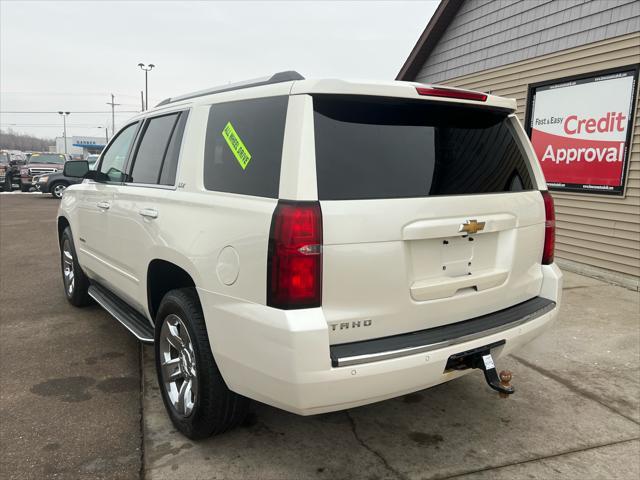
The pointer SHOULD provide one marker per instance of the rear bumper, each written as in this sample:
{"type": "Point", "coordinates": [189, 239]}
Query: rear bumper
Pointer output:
{"type": "Point", "coordinates": [283, 358]}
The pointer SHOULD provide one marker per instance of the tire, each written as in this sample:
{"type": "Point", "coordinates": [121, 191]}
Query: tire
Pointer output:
{"type": "Point", "coordinates": [7, 187]}
{"type": "Point", "coordinates": [208, 407]}
{"type": "Point", "coordinates": [24, 188]}
{"type": "Point", "coordinates": [74, 281]}
{"type": "Point", "coordinates": [57, 189]}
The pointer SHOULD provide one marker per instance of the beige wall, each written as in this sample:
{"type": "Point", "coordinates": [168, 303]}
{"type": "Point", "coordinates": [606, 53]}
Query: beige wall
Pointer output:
{"type": "Point", "coordinates": [596, 230]}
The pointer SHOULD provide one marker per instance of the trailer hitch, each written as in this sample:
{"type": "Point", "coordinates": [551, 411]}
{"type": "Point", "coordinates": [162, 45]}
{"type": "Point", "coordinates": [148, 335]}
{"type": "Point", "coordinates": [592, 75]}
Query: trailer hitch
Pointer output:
{"type": "Point", "coordinates": [481, 358]}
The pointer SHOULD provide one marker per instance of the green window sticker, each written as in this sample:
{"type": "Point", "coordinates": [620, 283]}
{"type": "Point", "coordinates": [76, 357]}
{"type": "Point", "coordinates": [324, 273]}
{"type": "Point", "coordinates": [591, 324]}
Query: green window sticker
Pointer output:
{"type": "Point", "coordinates": [235, 144]}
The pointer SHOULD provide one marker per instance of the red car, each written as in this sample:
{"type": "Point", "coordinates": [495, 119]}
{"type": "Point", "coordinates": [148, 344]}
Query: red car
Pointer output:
{"type": "Point", "coordinates": [40, 164]}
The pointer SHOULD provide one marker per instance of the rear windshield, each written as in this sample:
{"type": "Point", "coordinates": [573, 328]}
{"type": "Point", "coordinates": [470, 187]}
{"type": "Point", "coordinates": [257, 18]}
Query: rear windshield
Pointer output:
{"type": "Point", "coordinates": [371, 147]}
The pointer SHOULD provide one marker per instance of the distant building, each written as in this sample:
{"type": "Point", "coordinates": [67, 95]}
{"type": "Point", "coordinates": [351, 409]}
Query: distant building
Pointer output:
{"type": "Point", "coordinates": [572, 67]}
{"type": "Point", "coordinates": [80, 145]}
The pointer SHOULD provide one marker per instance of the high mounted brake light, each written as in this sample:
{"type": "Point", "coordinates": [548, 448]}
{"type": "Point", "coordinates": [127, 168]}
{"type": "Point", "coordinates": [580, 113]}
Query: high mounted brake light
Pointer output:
{"type": "Point", "coordinates": [451, 93]}
{"type": "Point", "coordinates": [549, 228]}
{"type": "Point", "coordinates": [294, 277]}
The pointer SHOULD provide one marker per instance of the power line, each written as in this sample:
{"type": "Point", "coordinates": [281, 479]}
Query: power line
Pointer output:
{"type": "Point", "coordinates": [74, 112]}
{"type": "Point", "coordinates": [47, 125]}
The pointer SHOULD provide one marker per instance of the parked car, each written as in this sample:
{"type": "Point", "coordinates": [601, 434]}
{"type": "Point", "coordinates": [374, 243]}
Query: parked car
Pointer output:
{"type": "Point", "coordinates": [40, 164]}
{"type": "Point", "coordinates": [57, 183]}
{"type": "Point", "coordinates": [315, 244]}
{"type": "Point", "coordinates": [9, 170]}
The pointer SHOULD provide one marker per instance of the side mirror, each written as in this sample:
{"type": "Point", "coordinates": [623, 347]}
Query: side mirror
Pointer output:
{"type": "Point", "coordinates": [76, 168]}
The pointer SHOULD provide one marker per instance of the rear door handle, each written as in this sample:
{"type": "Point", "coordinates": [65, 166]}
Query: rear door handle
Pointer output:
{"type": "Point", "coordinates": [148, 212]}
{"type": "Point", "coordinates": [103, 205]}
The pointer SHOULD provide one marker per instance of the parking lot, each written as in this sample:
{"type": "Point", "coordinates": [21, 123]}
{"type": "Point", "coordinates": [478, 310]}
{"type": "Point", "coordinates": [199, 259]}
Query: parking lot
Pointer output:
{"type": "Point", "coordinates": [79, 397]}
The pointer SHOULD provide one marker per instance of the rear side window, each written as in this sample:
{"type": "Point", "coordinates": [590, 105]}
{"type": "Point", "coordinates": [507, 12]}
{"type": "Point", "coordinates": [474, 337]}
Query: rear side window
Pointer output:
{"type": "Point", "coordinates": [243, 147]}
{"type": "Point", "coordinates": [154, 149]}
{"type": "Point", "coordinates": [170, 165]}
{"type": "Point", "coordinates": [370, 147]}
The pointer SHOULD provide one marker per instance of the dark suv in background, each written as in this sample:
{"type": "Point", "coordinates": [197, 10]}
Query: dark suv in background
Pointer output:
{"type": "Point", "coordinates": [57, 183]}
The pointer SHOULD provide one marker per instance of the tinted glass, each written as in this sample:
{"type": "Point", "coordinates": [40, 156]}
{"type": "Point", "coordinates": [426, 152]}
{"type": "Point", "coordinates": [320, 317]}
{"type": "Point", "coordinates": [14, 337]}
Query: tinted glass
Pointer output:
{"type": "Point", "coordinates": [114, 159]}
{"type": "Point", "coordinates": [170, 165]}
{"type": "Point", "coordinates": [150, 153]}
{"type": "Point", "coordinates": [369, 147]}
{"type": "Point", "coordinates": [244, 146]}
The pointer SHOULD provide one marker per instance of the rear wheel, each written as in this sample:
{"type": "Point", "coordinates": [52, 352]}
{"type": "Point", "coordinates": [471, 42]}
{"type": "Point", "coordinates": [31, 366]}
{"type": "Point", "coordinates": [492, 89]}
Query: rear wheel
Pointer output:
{"type": "Point", "coordinates": [195, 395]}
{"type": "Point", "coordinates": [25, 188]}
{"type": "Point", "coordinates": [57, 189]}
{"type": "Point", "coordinates": [75, 282]}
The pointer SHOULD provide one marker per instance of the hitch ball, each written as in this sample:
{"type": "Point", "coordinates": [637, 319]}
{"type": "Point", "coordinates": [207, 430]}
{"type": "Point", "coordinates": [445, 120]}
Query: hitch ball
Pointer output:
{"type": "Point", "coordinates": [505, 381]}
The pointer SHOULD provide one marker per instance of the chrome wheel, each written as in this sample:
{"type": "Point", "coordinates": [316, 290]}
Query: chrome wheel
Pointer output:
{"type": "Point", "coordinates": [178, 365]}
{"type": "Point", "coordinates": [58, 190]}
{"type": "Point", "coordinates": [67, 268]}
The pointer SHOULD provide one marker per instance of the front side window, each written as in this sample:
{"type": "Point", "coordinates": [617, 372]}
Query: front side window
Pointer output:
{"type": "Point", "coordinates": [115, 157]}
{"type": "Point", "coordinates": [243, 148]}
{"type": "Point", "coordinates": [152, 149]}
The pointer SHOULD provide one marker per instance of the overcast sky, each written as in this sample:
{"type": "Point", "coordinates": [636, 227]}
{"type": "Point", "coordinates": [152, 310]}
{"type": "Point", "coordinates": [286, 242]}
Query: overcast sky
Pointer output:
{"type": "Point", "coordinates": [73, 55]}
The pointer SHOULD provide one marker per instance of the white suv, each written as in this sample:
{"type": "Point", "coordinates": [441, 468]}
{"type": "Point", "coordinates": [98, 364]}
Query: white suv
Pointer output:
{"type": "Point", "coordinates": [315, 244]}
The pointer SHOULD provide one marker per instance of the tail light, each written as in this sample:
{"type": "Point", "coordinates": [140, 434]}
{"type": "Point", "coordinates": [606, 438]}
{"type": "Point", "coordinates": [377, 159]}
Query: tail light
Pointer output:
{"type": "Point", "coordinates": [294, 278]}
{"type": "Point", "coordinates": [451, 93]}
{"type": "Point", "coordinates": [549, 228]}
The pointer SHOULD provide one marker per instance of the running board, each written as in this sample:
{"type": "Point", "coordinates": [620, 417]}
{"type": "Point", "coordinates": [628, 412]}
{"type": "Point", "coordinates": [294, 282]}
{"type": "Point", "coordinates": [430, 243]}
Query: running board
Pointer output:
{"type": "Point", "coordinates": [127, 316]}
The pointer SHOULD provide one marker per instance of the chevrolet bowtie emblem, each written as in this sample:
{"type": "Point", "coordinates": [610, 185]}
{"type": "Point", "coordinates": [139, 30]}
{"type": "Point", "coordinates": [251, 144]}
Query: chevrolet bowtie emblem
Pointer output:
{"type": "Point", "coordinates": [471, 226]}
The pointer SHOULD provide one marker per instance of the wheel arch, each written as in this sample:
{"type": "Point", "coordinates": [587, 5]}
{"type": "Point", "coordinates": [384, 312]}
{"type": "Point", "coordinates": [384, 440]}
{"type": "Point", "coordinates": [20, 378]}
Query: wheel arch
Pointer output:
{"type": "Point", "coordinates": [163, 276]}
{"type": "Point", "coordinates": [62, 224]}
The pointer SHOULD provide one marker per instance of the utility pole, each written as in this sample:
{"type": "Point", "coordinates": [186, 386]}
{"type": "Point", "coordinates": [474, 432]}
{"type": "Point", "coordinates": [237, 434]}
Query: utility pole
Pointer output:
{"type": "Point", "coordinates": [64, 132]}
{"type": "Point", "coordinates": [113, 113]}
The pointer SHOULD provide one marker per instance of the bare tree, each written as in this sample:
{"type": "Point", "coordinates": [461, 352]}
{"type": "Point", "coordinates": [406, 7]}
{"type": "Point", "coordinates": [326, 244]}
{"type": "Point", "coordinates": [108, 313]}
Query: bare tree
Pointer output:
{"type": "Point", "coordinates": [10, 140]}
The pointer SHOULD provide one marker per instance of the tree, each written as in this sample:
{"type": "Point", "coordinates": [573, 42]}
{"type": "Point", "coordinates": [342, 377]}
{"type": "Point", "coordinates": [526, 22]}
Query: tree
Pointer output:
{"type": "Point", "coordinates": [10, 140]}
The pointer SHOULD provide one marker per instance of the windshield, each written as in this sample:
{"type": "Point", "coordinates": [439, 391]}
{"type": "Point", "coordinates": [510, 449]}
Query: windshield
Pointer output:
{"type": "Point", "coordinates": [372, 147]}
{"type": "Point", "coordinates": [46, 158]}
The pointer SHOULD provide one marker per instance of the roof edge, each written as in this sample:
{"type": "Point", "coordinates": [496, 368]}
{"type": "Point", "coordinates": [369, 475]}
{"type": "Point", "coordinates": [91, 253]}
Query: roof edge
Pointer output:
{"type": "Point", "coordinates": [429, 38]}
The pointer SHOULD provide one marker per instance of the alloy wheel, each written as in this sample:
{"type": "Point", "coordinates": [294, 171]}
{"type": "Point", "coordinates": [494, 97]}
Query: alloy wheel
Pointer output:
{"type": "Point", "coordinates": [178, 365]}
{"type": "Point", "coordinates": [58, 190]}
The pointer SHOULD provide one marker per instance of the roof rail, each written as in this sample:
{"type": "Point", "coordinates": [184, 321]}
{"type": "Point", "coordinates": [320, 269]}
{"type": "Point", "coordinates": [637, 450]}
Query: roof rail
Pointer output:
{"type": "Point", "coordinates": [279, 77]}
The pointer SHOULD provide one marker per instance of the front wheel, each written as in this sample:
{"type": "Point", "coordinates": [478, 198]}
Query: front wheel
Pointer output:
{"type": "Point", "coordinates": [194, 393]}
{"type": "Point", "coordinates": [57, 189]}
{"type": "Point", "coordinates": [76, 284]}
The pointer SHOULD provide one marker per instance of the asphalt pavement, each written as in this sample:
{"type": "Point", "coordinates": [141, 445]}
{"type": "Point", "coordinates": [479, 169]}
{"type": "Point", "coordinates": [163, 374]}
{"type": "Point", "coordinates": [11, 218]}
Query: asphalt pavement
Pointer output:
{"type": "Point", "coordinates": [575, 415]}
{"type": "Point", "coordinates": [69, 377]}
{"type": "Point", "coordinates": [73, 405]}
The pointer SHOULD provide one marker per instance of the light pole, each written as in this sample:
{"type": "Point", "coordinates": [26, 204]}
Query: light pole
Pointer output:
{"type": "Point", "coordinates": [147, 69]}
{"type": "Point", "coordinates": [106, 134]}
{"type": "Point", "coordinates": [64, 133]}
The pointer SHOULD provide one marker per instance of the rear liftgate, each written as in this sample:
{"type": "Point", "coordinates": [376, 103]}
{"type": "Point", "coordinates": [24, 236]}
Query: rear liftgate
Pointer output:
{"type": "Point", "coordinates": [481, 358]}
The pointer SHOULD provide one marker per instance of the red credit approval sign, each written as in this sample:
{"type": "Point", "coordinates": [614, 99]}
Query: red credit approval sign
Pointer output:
{"type": "Point", "coordinates": [580, 131]}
